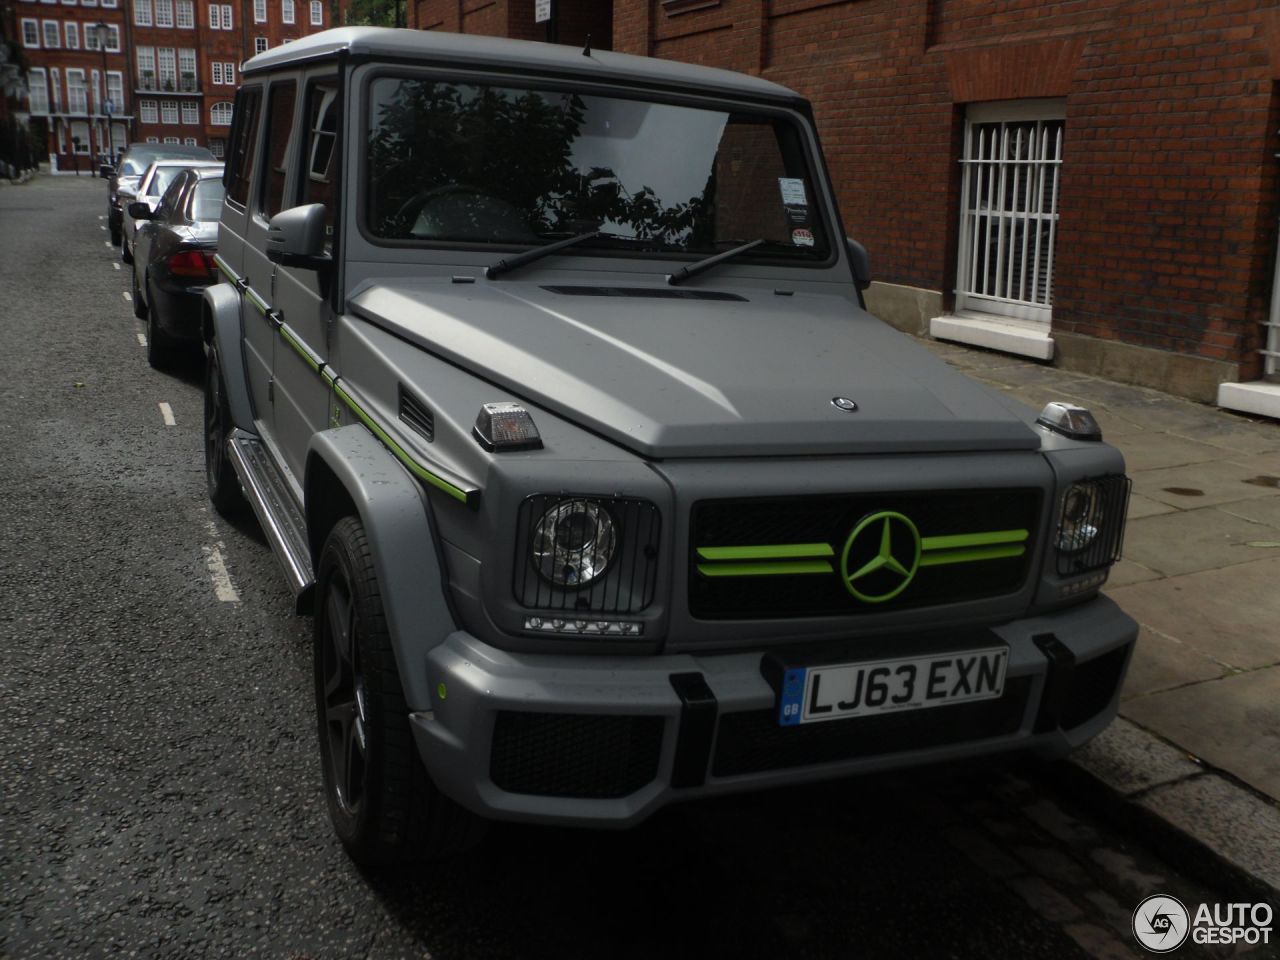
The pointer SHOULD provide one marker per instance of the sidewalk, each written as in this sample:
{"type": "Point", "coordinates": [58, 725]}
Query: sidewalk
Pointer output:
{"type": "Point", "coordinates": [1201, 574]}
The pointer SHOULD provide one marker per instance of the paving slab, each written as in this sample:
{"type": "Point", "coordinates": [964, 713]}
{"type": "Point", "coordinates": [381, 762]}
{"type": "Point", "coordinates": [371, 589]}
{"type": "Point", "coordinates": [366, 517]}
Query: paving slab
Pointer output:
{"type": "Point", "coordinates": [1201, 484]}
{"type": "Point", "coordinates": [1262, 510]}
{"type": "Point", "coordinates": [1244, 735]}
{"type": "Point", "coordinates": [1191, 540]}
{"type": "Point", "coordinates": [1125, 572]}
{"type": "Point", "coordinates": [1240, 828]}
{"type": "Point", "coordinates": [1161, 662]}
{"type": "Point", "coordinates": [1151, 451]}
{"type": "Point", "coordinates": [1230, 614]}
{"type": "Point", "coordinates": [1140, 506]}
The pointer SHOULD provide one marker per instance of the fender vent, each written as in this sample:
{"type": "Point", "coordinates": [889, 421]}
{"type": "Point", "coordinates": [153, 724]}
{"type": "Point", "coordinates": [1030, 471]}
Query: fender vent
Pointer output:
{"type": "Point", "coordinates": [417, 415]}
{"type": "Point", "coordinates": [650, 293]}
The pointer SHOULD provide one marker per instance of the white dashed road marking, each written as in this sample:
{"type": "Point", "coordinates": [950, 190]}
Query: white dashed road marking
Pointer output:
{"type": "Point", "coordinates": [102, 226]}
{"type": "Point", "coordinates": [222, 585]}
{"type": "Point", "coordinates": [106, 243]}
{"type": "Point", "coordinates": [115, 264]}
{"type": "Point", "coordinates": [166, 411]}
{"type": "Point", "coordinates": [143, 341]}
{"type": "Point", "coordinates": [127, 295]}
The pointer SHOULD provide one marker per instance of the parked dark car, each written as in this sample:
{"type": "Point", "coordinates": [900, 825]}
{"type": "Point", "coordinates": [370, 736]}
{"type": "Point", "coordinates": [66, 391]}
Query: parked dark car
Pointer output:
{"type": "Point", "coordinates": [173, 259]}
{"type": "Point", "coordinates": [133, 164]}
{"type": "Point", "coordinates": [150, 188]}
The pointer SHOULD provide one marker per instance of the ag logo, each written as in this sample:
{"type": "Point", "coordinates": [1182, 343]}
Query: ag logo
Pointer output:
{"type": "Point", "coordinates": [880, 557]}
{"type": "Point", "coordinates": [1161, 923]}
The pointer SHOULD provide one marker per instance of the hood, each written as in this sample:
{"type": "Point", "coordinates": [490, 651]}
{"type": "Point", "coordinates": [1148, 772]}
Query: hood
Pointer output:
{"type": "Point", "coordinates": [667, 375]}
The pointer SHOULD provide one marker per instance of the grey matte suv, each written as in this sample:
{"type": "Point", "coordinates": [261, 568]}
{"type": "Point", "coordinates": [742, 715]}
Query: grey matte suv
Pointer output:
{"type": "Point", "coordinates": [547, 376]}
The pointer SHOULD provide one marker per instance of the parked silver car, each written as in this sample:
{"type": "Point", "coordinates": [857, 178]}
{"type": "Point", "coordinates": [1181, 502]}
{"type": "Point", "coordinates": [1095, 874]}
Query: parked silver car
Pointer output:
{"type": "Point", "coordinates": [150, 188]}
{"type": "Point", "coordinates": [547, 375]}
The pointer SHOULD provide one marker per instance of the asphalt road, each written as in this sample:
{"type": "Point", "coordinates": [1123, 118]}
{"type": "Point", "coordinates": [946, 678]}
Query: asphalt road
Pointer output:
{"type": "Point", "coordinates": [160, 789]}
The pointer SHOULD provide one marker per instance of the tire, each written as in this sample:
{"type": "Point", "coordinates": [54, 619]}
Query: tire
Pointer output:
{"type": "Point", "coordinates": [162, 351]}
{"type": "Point", "coordinates": [126, 255]}
{"type": "Point", "coordinates": [382, 803]}
{"type": "Point", "coordinates": [115, 238]}
{"type": "Point", "coordinates": [220, 477]}
{"type": "Point", "coordinates": [139, 304]}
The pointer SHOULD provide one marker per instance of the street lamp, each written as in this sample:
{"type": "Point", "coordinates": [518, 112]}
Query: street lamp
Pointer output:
{"type": "Point", "coordinates": [101, 32]}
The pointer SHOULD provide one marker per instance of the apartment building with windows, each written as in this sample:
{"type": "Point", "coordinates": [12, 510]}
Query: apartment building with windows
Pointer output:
{"type": "Point", "coordinates": [171, 68]}
{"type": "Point", "coordinates": [1092, 183]}
{"type": "Point", "coordinates": [76, 79]}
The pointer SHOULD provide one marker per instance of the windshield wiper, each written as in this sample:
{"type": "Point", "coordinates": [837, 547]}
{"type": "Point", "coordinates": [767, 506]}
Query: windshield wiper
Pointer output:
{"type": "Point", "coordinates": [698, 266]}
{"type": "Point", "coordinates": [537, 253]}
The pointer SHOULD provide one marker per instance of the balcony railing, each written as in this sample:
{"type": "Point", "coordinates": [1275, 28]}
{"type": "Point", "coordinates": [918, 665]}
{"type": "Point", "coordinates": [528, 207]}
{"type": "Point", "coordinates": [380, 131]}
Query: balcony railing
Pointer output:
{"type": "Point", "coordinates": [149, 84]}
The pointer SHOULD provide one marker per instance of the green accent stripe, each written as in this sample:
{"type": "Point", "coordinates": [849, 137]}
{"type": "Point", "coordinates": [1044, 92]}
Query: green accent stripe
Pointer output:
{"type": "Point", "coordinates": [259, 304]}
{"type": "Point", "coordinates": [308, 358]}
{"type": "Point", "coordinates": [973, 540]}
{"type": "Point", "coordinates": [226, 270]}
{"type": "Point", "coordinates": [764, 569]}
{"type": "Point", "coordinates": [940, 557]}
{"type": "Point", "coordinates": [779, 551]}
{"type": "Point", "coordinates": [413, 466]}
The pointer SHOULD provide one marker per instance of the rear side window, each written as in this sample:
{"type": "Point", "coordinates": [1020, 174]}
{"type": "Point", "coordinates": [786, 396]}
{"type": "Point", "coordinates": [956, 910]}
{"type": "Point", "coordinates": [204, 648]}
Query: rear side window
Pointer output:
{"type": "Point", "coordinates": [320, 159]}
{"type": "Point", "coordinates": [279, 133]}
{"type": "Point", "coordinates": [169, 202]}
{"type": "Point", "coordinates": [244, 141]}
{"type": "Point", "coordinates": [206, 200]}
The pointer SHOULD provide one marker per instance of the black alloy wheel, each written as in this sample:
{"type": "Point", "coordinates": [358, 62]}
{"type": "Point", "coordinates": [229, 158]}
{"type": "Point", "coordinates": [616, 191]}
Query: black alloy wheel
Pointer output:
{"type": "Point", "coordinates": [220, 476]}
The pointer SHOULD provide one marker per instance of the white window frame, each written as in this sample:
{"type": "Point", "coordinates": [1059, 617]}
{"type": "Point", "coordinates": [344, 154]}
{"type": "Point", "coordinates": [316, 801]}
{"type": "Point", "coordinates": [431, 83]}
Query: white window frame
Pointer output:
{"type": "Point", "coordinates": [31, 39]}
{"type": "Point", "coordinates": [166, 66]}
{"type": "Point", "coordinates": [77, 91]}
{"type": "Point", "coordinates": [260, 45]}
{"type": "Point", "coordinates": [88, 3]}
{"type": "Point", "coordinates": [51, 29]}
{"type": "Point", "coordinates": [55, 84]}
{"type": "Point", "coordinates": [169, 112]}
{"type": "Point", "coordinates": [77, 127]}
{"type": "Point", "coordinates": [148, 111]}
{"type": "Point", "coordinates": [227, 22]}
{"type": "Point", "coordinates": [190, 141]}
{"type": "Point", "coordinates": [109, 4]}
{"type": "Point", "coordinates": [215, 19]}
{"type": "Point", "coordinates": [216, 71]}
{"type": "Point", "coordinates": [259, 11]}
{"type": "Point", "coordinates": [287, 11]}
{"type": "Point", "coordinates": [317, 13]}
{"type": "Point", "coordinates": [71, 34]}
{"type": "Point", "coordinates": [186, 15]}
{"type": "Point", "coordinates": [164, 13]}
{"type": "Point", "coordinates": [172, 141]}
{"type": "Point", "coordinates": [996, 272]}
{"type": "Point", "coordinates": [153, 139]}
{"type": "Point", "coordinates": [190, 111]}
{"type": "Point", "coordinates": [187, 65]}
{"type": "Point", "coordinates": [115, 90]}
{"type": "Point", "coordinates": [221, 109]}
{"type": "Point", "coordinates": [142, 13]}
{"type": "Point", "coordinates": [218, 147]}
{"type": "Point", "coordinates": [38, 80]}
{"type": "Point", "coordinates": [113, 37]}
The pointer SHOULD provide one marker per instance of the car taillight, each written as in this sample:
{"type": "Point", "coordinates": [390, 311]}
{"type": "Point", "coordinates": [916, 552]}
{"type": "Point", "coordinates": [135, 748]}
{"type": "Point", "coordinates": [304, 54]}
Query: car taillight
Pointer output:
{"type": "Point", "coordinates": [190, 263]}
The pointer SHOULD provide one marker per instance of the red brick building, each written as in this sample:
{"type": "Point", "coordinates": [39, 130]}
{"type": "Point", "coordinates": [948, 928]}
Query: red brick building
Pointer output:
{"type": "Point", "coordinates": [1091, 182]}
{"type": "Point", "coordinates": [171, 67]}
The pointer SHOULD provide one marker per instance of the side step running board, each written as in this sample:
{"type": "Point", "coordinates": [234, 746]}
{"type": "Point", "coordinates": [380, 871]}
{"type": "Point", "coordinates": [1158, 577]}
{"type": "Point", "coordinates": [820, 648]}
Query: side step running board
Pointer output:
{"type": "Point", "coordinates": [281, 520]}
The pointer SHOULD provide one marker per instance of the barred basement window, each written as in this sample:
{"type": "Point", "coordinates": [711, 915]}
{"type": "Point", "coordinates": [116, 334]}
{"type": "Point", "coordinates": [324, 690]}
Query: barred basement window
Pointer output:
{"type": "Point", "coordinates": [1009, 208]}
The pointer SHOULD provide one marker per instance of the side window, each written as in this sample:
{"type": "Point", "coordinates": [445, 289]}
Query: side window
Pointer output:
{"type": "Point", "coordinates": [279, 132]}
{"type": "Point", "coordinates": [244, 142]}
{"type": "Point", "coordinates": [169, 202]}
{"type": "Point", "coordinates": [320, 168]}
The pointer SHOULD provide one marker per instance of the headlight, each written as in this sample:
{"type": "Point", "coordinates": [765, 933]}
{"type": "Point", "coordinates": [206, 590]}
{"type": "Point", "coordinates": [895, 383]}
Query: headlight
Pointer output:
{"type": "Point", "coordinates": [1081, 517]}
{"type": "Point", "coordinates": [574, 542]}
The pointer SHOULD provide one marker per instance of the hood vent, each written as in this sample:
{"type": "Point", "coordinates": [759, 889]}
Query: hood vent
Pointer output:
{"type": "Point", "coordinates": [417, 415]}
{"type": "Point", "coordinates": [650, 293]}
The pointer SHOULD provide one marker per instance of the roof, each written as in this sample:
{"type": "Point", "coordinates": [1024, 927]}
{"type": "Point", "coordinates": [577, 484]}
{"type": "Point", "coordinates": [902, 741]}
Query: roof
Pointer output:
{"type": "Point", "coordinates": [434, 46]}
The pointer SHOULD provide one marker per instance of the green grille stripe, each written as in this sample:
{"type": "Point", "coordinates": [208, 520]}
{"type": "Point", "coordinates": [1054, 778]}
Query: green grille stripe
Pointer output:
{"type": "Point", "coordinates": [973, 540]}
{"type": "Point", "coordinates": [939, 557]}
{"type": "Point", "coordinates": [764, 569]}
{"type": "Point", "coordinates": [779, 551]}
{"type": "Point", "coordinates": [413, 466]}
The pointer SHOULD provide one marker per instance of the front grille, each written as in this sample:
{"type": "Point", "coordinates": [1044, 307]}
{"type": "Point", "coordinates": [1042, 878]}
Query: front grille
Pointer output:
{"type": "Point", "coordinates": [753, 742]}
{"type": "Point", "coordinates": [574, 755]}
{"type": "Point", "coordinates": [823, 525]}
{"type": "Point", "coordinates": [1107, 513]}
{"type": "Point", "coordinates": [628, 583]}
{"type": "Point", "coordinates": [1093, 684]}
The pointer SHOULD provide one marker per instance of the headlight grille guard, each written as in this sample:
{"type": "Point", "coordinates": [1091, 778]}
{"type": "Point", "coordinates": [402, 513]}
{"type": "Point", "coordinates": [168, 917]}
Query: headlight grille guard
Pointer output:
{"type": "Point", "coordinates": [629, 582]}
{"type": "Point", "coordinates": [1110, 506]}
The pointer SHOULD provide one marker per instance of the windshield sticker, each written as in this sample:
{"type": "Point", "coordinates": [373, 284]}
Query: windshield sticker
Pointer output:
{"type": "Point", "coordinates": [802, 238]}
{"type": "Point", "coordinates": [792, 192]}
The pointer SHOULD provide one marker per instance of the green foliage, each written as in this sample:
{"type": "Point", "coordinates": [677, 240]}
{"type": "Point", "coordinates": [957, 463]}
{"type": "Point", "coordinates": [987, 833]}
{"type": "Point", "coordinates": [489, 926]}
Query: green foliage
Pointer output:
{"type": "Point", "coordinates": [372, 13]}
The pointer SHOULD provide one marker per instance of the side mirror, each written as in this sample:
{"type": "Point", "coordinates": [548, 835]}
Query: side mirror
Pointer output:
{"type": "Point", "coordinates": [861, 263]}
{"type": "Point", "coordinates": [295, 238]}
{"type": "Point", "coordinates": [140, 210]}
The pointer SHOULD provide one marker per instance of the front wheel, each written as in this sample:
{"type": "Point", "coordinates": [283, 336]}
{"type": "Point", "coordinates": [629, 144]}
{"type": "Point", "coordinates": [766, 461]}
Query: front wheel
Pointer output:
{"type": "Point", "coordinates": [383, 805]}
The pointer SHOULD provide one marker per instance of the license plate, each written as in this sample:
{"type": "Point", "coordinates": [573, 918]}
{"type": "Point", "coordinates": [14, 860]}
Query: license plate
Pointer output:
{"type": "Point", "coordinates": [841, 691]}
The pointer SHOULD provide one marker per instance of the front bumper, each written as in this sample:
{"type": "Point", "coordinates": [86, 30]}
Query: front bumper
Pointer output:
{"type": "Point", "coordinates": [606, 741]}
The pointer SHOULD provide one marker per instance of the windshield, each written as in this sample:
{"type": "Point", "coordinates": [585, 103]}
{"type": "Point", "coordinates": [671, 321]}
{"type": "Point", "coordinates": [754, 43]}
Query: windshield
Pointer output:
{"type": "Point", "coordinates": [466, 163]}
{"type": "Point", "coordinates": [206, 204]}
